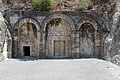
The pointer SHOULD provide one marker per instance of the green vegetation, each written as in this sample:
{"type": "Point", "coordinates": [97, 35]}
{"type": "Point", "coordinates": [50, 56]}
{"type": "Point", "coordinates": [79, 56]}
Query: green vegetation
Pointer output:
{"type": "Point", "coordinates": [41, 5]}
{"type": "Point", "coordinates": [54, 4]}
{"type": "Point", "coordinates": [47, 5]}
{"type": "Point", "coordinates": [85, 4]}
{"type": "Point", "coordinates": [44, 5]}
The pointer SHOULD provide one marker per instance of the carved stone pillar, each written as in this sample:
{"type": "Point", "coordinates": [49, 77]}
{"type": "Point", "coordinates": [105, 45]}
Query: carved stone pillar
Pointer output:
{"type": "Point", "coordinates": [75, 49]}
{"type": "Point", "coordinates": [40, 43]}
{"type": "Point", "coordinates": [95, 43]}
{"type": "Point", "coordinates": [43, 44]}
{"type": "Point", "coordinates": [16, 46]}
{"type": "Point", "coordinates": [77, 42]}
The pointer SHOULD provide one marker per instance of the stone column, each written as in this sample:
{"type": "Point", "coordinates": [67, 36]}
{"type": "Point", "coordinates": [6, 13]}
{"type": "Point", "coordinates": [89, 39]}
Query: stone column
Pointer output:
{"type": "Point", "coordinates": [102, 43]}
{"type": "Point", "coordinates": [77, 44]}
{"type": "Point", "coordinates": [95, 44]}
{"type": "Point", "coordinates": [74, 45]}
{"type": "Point", "coordinates": [43, 44]}
{"type": "Point", "coordinates": [16, 46]}
{"type": "Point", "coordinates": [40, 43]}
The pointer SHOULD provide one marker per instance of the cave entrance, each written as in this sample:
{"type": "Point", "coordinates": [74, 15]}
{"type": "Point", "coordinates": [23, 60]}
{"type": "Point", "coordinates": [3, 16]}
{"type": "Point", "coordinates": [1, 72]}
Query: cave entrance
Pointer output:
{"type": "Point", "coordinates": [26, 50]}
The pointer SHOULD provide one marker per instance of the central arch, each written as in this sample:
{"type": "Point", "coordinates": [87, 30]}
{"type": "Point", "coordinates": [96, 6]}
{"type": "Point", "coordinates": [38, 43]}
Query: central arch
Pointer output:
{"type": "Point", "coordinates": [58, 15]}
{"type": "Point", "coordinates": [58, 37]}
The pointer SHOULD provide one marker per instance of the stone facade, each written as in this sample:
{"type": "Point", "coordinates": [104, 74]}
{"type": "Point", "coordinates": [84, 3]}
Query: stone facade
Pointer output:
{"type": "Point", "coordinates": [56, 35]}
{"type": "Point", "coordinates": [64, 34]}
{"type": "Point", "coordinates": [61, 34]}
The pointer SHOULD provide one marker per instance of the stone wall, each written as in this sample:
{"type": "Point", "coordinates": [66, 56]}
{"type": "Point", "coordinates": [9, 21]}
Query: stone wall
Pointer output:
{"type": "Point", "coordinates": [75, 19]}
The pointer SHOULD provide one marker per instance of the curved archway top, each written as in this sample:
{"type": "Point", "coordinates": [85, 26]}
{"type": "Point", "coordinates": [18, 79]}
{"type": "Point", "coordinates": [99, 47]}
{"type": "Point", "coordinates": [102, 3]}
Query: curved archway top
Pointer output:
{"type": "Point", "coordinates": [58, 15]}
{"type": "Point", "coordinates": [91, 21]}
{"type": "Point", "coordinates": [22, 21]}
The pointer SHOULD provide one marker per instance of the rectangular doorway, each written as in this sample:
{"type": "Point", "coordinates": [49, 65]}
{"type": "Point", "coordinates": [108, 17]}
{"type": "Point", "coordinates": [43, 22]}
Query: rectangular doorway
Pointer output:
{"type": "Point", "coordinates": [59, 48]}
{"type": "Point", "coordinates": [26, 50]}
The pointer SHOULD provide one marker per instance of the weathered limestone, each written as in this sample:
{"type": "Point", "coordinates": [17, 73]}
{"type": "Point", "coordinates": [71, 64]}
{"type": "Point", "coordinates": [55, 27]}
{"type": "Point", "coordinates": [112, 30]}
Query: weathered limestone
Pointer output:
{"type": "Point", "coordinates": [65, 34]}
{"type": "Point", "coordinates": [112, 42]}
{"type": "Point", "coordinates": [58, 34]}
{"type": "Point", "coordinates": [94, 33]}
{"type": "Point", "coordinates": [61, 35]}
{"type": "Point", "coordinates": [59, 38]}
{"type": "Point", "coordinates": [116, 59]}
{"type": "Point", "coordinates": [4, 37]}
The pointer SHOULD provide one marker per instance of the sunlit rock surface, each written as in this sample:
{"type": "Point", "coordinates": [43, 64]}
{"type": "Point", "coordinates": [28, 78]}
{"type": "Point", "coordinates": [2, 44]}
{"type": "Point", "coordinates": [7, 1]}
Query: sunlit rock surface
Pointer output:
{"type": "Point", "coordinates": [3, 43]}
{"type": "Point", "coordinates": [112, 42]}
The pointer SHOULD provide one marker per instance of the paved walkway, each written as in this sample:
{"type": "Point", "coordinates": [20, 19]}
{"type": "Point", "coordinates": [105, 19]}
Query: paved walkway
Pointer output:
{"type": "Point", "coordinates": [58, 69]}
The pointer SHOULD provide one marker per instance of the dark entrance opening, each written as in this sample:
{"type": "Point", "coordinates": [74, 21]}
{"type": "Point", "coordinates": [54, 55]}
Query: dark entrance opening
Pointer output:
{"type": "Point", "coordinates": [26, 50]}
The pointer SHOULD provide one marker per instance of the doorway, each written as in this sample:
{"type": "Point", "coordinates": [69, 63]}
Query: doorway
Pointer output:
{"type": "Point", "coordinates": [26, 50]}
{"type": "Point", "coordinates": [27, 39]}
{"type": "Point", "coordinates": [59, 48]}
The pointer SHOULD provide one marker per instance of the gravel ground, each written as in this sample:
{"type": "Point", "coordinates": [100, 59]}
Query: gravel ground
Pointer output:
{"type": "Point", "coordinates": [58, 69]}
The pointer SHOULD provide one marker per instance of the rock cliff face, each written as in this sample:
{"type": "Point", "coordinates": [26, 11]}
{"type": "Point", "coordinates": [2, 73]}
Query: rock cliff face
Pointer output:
{"type": "Point", "coordinates": [112, 42]}
{"type": "Point", "coordinates": [5, 39]}
{"type": "Point", "coordinates": [2, 6]}
{"type": "Point", "coordinates": [2, 36]}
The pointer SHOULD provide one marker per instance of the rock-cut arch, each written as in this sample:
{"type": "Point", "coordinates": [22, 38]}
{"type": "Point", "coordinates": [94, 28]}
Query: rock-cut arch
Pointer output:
{"type": "Point", "coordinates": [89, 38]}
{"type": "Point", "coordinates": [94, 22]}
{"type": "Point", "coordinates": [27, 34]}
{"type": "Point", "coordinates": [58, 38]}
{"type": "Point", "coordinates": [58, 15]}
{"type": "Point", "coordinates": [21, 21]}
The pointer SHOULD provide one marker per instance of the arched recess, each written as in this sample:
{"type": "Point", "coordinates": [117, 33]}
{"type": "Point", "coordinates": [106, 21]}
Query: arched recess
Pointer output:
{"type": "Point", "coordinates": [27, 20]}
{"type": "Point", "coordinates": [58, 15]}
{"type": "Point", "coordinates": [28, 37]}
{"type": "Point", "coordinates": [89, 38]}
{"type": "Point", "coordinates": [59, 37]}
